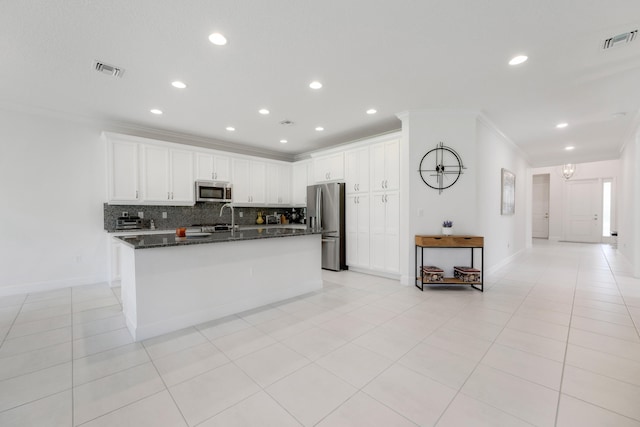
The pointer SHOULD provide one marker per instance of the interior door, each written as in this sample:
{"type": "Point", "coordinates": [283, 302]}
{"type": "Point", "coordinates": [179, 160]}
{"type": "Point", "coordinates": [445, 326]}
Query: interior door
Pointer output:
{"type": "Point", "coordinates": [540, 218]}
{"type": "Point", "coordinates": [583, 211]}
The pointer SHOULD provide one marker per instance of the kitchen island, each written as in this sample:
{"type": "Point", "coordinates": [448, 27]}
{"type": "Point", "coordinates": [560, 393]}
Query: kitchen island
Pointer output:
{"type": "Point", "coordinates": [169, 282]}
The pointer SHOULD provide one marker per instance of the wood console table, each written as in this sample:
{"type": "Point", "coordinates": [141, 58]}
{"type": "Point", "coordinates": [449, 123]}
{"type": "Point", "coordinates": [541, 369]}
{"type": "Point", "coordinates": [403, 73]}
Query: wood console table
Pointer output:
{"type": "Point", "coordinates": [441, 241]}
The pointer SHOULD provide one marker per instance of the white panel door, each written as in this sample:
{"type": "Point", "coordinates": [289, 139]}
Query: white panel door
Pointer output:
{"type": "Point", "coordinates": [583, 211]}
{"type": "Point", "coordinates": [377, 227]}
{"type": "Point", "coordinates": [364, 247]}
{"type": "Point", "coordinates": [540, 217]}
{"type": "Point", "coordinates": [241, 181]}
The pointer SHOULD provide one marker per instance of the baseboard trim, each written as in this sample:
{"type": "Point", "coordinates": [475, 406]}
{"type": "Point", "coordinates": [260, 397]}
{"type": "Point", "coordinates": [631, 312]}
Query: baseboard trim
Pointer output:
{"type": "Point", "coordinates": [28, 288]}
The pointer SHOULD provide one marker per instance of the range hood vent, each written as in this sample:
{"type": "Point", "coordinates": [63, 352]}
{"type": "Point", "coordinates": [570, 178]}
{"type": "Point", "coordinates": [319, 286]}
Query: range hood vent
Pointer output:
{"type": "Point", "coordinates": [619, 40]}
{"type": "Point", "coordinates": [110, 70]}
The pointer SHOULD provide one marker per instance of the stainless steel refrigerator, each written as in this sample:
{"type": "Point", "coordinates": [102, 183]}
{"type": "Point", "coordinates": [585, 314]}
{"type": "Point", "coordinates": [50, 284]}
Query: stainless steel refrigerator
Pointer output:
{"type": "Point", "coordinates": [325, 211]}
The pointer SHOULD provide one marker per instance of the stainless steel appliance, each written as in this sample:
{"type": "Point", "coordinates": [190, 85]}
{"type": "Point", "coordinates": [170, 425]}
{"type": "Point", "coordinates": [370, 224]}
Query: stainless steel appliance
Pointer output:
{"type": "Point", "coordinates": [213, 191]}
{"type": "Point", "coordinates": [128, 223]}
{"type": "Point", "coordinates": [325, 211]}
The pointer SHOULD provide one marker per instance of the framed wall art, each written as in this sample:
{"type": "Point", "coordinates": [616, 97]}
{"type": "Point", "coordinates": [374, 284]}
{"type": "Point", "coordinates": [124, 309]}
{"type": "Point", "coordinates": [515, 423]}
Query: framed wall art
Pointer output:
{"type": "Point", "coordinates": [508, 199]}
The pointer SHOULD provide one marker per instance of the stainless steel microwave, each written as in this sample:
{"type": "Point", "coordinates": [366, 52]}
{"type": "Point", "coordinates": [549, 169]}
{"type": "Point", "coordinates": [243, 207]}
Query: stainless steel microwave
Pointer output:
{"type": "Point", "coordinates": [213, 191]}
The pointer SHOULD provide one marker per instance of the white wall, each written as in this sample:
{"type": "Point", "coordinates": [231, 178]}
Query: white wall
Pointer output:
{"type": "Point", "coordinates": [505, 235]}
{"type": "Point", "coordinates": [52, 186]}
{"type": "Point", "coordinates": [593, 170]}
{"type": "Point", "coordinates": [629, 205]}
{"type": "Point", "coordinates": [473, 203]}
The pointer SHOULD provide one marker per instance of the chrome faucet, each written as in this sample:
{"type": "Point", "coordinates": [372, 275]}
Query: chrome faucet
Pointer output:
{"type": "Point", "coordinates": [230, 206]}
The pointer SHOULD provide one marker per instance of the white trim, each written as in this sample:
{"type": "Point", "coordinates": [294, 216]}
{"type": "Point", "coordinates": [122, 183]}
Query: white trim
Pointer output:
{"type": "Point", "coordinates": [28, 288]}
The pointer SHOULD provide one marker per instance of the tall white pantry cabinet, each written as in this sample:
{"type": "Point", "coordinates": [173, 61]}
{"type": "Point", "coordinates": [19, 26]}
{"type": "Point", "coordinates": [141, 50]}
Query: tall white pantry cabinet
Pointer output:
{"type": "Point", "coordinates": [372, 205]}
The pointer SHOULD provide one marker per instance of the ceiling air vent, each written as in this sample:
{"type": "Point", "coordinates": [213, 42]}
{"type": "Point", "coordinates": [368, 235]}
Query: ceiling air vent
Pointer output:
{"type": "Point", "coordinates": [620, 40]}
{"type": "Point", "coordinates": [107, 69]}
{"type": "Point", "coordinates": [286, 123]}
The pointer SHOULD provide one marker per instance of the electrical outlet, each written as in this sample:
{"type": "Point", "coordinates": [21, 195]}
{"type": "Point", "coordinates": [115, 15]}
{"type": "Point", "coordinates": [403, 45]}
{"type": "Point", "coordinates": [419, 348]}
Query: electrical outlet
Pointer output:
{"type": "Point", "coordinates": [125, 214]}
{"type": "Point", "coordinates": [141, 214]}
{"type": "Point", "coordinates": [164, 215]}
{"type": "Point", "coordinates": [240, 214]}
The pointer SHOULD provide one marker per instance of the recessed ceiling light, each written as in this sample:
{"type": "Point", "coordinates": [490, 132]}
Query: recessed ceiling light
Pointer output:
{"type": "Point", "coordinates": [263, 111]}
{"type": "Point", "coordinates": [283, 141]}
{"type": "Point", "coordinates": [315, 85]}
{"type": "Point", "coordinates": [372, 111]}
{"type": "Point", "coordinates": [156, 111]}
{"type": "Point", "coordinates": [230, 128]}
{"type": "Point", "coordinates": [562, 125]}
{"type": "Point", "coordinates": [569, 148]}
{"type": "Point", "coordinates": [319, 128]}
{"type": "Point", "coordinates": [178, 84]}
{"type": "Point", "coordinates": [218, 39]}
{"type": "Point", "coordinates": [518, 59]}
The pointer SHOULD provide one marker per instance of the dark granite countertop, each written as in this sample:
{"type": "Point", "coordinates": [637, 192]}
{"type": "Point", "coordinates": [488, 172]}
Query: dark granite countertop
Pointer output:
{"type": "Point", "coordinates": [170, 239]}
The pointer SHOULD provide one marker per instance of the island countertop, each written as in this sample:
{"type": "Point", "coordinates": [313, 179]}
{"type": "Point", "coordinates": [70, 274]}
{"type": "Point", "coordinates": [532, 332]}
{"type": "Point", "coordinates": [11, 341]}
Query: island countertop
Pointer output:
{"type": "Point", "coordinates": [145, 241]}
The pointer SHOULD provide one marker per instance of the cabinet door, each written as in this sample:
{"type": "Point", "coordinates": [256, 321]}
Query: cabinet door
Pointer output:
{"type": "Point", "coordinates": [363, 230]}
{"type": "Point", "coordinates": [285, 184]}
{"type": "Point", "coordinates": [385, 165]}
{"type": "Point", "coordinates": [378, 219]}
{"type": "Point", "coordinates": [273, 183]}
{"type": "Point", "coordinates": [221, 168]}
{"type": "Point", "coordinates": [351, 229]}
{"type": "Point", "coordinates": [392, 232]}
{"type": "Point", "coordinates": [155, 177]}
{"type": "Point", "coordinates": [329, 168]}
{"type": "Point", "coordinates": [182, 182]}
{"type": "Point", "coordinates": [241, 181]}
{"type": "Point", "coordinates": [377, 167]}
{"type": "Point", "coordinates": [356, 170]}
{"type": "Point", "coordinates": [123, 171]}
{"type": "Point", "coordinates": [392, 164]}
{"type": "Point", "coordinates": [299, 181]}
{"type": "Point", "coordinates": [258, 189]}
{"type": "Point", "coordinates": [204, 166]}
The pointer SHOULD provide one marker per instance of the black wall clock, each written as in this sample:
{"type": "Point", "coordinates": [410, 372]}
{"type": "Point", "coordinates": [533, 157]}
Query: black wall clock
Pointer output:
{"type": "Point", "coordinates": [441, 167]}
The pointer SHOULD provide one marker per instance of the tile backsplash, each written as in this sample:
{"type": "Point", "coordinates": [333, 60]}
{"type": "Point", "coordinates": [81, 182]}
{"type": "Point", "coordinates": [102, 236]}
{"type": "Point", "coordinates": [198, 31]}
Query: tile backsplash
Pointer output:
{"type": "Point", "coordinates": [200, 213]}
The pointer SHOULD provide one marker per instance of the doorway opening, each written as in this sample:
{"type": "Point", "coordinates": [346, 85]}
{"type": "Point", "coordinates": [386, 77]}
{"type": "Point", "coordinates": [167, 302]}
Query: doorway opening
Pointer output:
{"type": "Point", "coordinates": [540, 206]}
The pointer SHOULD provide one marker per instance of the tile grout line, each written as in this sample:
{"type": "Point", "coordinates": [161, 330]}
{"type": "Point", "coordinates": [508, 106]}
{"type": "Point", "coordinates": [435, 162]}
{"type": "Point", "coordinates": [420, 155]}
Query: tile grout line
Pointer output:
{"type": "Point", "coordinates": [459, 391]}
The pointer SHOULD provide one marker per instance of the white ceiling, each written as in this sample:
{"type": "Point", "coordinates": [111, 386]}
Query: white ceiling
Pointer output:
{"type": "Point", "coordinates": [390, 55]}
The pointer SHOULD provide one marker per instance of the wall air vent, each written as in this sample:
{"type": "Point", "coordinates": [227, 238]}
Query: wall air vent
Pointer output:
{"type": "Point", "coordinates": [619, 40]}
{"type": "Point", "coordinates": [107, 69]}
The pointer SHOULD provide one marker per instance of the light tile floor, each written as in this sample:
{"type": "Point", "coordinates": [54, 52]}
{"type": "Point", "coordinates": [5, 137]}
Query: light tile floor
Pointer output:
{"type": "Point", "coordinates": [553, 340]}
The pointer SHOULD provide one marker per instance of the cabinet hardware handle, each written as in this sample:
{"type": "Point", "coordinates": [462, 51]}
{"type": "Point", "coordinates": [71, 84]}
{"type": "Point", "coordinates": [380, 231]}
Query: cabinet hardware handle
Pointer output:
{"type": "Point", "coordinates": [168, 196]}
{"type": "Point", "coordinates": [136, 194]}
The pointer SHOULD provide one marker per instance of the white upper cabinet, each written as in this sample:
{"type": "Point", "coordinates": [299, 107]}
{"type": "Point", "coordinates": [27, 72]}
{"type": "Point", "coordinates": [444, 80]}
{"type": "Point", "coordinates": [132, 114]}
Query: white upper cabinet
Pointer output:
{"type": "Point", "coordinates": [301, 177]}
{"type": "Point", "coordinates": [167, 176]}
{"type": "Point", "coordinates": [278, 181]}
{"type": "Point", "coordinates": [357, 170]}
{"type": "Point", "coordinates": [385, 166]}
{"type": "Point", "coordinates": [212, 167]}
{"type": "Point", "coordinates": [329, 168]}
{"type": "Point", "coordinates": [249, 181]}
{"type": "Point", "coordinates": [123, 171]}
{"type": "Point", "coordinates": [181, 182]}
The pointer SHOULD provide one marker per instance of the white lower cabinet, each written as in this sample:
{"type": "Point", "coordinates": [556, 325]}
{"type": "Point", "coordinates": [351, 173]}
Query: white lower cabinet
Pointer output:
{"type": "Point", "coordinates": [357, 230]}
{"type": "Point", "coordinates": [385, 216]}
